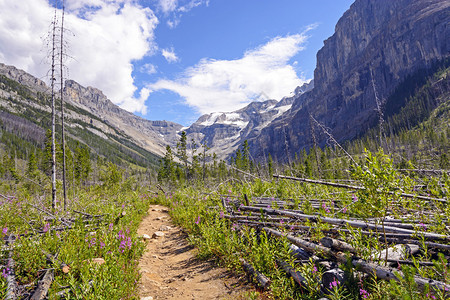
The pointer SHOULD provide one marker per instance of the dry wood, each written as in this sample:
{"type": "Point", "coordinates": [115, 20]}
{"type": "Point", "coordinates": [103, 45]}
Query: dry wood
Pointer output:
{"type": "Point", "coordinates": [297, 276]}
{"type": "Point", "coordinates": [353, 223]}
{"type": "Point", "coordinates": [88, 215]}
{"type": "Point", "coordinates": [337, 244]}
{"type": "Point", "coordinates": [397, 236]}
{"type": "Point", "coordinates": [43, 286]}
{"type": "Point", "coordinates": [318, 249]}
{"type": "Point", "coordinates": [11, 285]}
{"type": "Point", "coordinates": [62, 266]}
{"type": "Point", "coordinates": [391, 274]}
{"type": "Point", "coordinates": [261, 278]}
{"type": "Point", "coordinates": [352, 187]}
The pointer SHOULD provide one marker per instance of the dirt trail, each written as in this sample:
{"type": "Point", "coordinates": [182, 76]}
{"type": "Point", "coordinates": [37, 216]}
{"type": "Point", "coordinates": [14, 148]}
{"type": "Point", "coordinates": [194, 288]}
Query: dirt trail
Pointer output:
{"type": "Point", "coordinates": [170, 269]}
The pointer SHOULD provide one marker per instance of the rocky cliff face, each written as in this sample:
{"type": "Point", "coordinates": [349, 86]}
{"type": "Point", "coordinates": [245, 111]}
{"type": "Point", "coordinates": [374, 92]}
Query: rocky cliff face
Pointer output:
{"type": "Point", "coordinates": [151, 135]}
{"type": "Point", "coordinates": [24, 78]}
{"type": "Point", "coordinates": [376, 44]}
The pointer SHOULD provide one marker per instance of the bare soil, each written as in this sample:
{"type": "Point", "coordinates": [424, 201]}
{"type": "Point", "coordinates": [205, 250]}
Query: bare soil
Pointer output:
{"type": "Point", "coordinates": [170, 269]}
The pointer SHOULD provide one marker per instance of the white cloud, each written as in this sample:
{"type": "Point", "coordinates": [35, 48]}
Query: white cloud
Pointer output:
{"type": "Point", "coordinates": [168, 6]}
{"type": "Point", "coordinates": [148, 69]}
{"type": "Point", "coordinates": [108, 36]}
{"type": "Point", "coordinates": [227, 85]}
{"type": "Point", "coordinates": [176, 9]}
{"type": "Point", "coordinates": [169, 55]}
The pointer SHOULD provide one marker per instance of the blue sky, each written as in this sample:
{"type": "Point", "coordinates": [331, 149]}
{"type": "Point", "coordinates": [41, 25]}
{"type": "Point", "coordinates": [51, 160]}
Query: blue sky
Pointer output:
{"type": "Point", "coordinates": [177, 59]}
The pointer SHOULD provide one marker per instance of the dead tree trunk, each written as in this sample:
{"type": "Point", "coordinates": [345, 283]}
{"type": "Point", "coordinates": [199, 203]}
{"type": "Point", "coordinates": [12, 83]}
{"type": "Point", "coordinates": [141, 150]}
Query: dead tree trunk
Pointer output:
{"type": "Point", "coordinates": [63, 142]}
{"type": "Point", "coordinates": [53, 162]}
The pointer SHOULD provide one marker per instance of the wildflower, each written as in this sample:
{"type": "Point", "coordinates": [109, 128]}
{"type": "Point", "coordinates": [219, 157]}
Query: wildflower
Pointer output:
{"type": "Point", "coordinates": [424, 227]}
{"type": "Point", "coordinates": [46, 227]}
{"type": "Point", "coordinates": [102, 244]}
{"type": "Point", "coordinates": [354, 198]}
{"type": "Point", "coordinates": [344, 210]}
{"type": "Point", "coordinates": [268, 206]}
{"type": "Point", "coordinates": [314, 270]}
{"type": "Point", "coordinates": [129, 243]}
{"type": "Point", "coordinates": [430, 296]}
{"type": "Point", "coordinates": [221, 214]}
{"type": "Point", "coordinates": [120, 235]}
{"type": "Point", "coordinates": [281, 222]}
{"type": "Point", "coordinates": [324, 206]}
{"type": "Point", "coordinates": [110, 226]}
{"type": "Point", "coordinates": [334, 284]}
{"type": "Point", "coordinates": [123, 206]}
{"type": "Point", "coordinates": [229, 191]}
{"type": "Point", "coordinates": [233, 227]}
{"type": "Point", "coordinates": [198, 220]}
{"type": "Point", "coordinates": [5, 272]}
{"type": "Point", "coordinates": [5, 230]}
{"type": "Point", "coordinates": [122, 246]}
{"type": "Point", "coordinates": [364, 294]}
{"type": "Point", "coordinates": [92, 242]}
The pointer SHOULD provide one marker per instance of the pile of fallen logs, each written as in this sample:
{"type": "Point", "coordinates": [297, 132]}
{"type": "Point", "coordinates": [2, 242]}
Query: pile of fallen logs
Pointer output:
{"type": "Point", "coordinates": [40, 290]}
{"type": "Point", "coordinates": [402, 239]}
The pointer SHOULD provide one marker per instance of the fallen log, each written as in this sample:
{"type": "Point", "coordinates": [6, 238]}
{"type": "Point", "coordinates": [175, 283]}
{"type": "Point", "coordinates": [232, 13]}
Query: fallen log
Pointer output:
{"type": "Point", "coordinates": [389, 274]}
{"type": "Point", "coordinates": [11, 284]}
{"type": "Point", "coordinates": [43, 286]}
{"type": "Point", "coordinates": [335, 221]}
{"type": "Point", "coordinates": [261, 278]}
{"type": "Point", "coordinates": [62, 266]}
{"type": "Point", "coordinates": [297, 276]}
{"type": "Point", "coordinates": [358, 188]}
{"type": "Point", "coordinates": [318, 249]}
{"type": "Point", "coordinates": [361, 265]}
{"type": "Point", "coordinates": [337, 245]}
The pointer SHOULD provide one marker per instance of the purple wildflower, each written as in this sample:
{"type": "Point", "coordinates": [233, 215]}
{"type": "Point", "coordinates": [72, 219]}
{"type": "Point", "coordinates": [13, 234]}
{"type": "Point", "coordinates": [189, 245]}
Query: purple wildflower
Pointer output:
{"type": "Point", "coordinates": [233, 227]}
{"type": "Point", "coordinates": [5, 272]}
{"type": "Point", "coordinates": [102, 244]}
{"type": "Point", "coordinates": [198, 220]}
{"type": "Point", "coordinates": [122, 246]}
{"type": "Point", "coordinates": [5, 230]}
{"type": "Point", "coordinates": [324, 206]}
{"type": "Point", "coordinates": [221, 214]}
{"type": "Point", "coordinates": [354, 198]}
{"type": "Point", "coordinates": [314, 270]}
{"type": "Point", "coordinates": [334, 284]}
{"type": "Point", "coordinates": [364, 293]}
{"type": "Point", "coordinates": [344, 210]}
{"type": "Point", "coordinates": [46, 227]}
{"type": "Point", "coordinates": [92, 242]}
{"type": "Point", "coordinates": [110, 226]}
{"type": "Point", "coordinates": [424, 227]}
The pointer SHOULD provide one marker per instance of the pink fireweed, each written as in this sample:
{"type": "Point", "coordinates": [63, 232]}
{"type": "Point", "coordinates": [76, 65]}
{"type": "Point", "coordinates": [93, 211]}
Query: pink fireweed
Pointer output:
{"type": "Point", "coordinates": [46, 227]}
{"type": "Point", "coordinates": [334, 284]}
{"type": "Point", "coordinates": [198, 220]}
{"type": "Point", "coordinates": [364, 294]}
